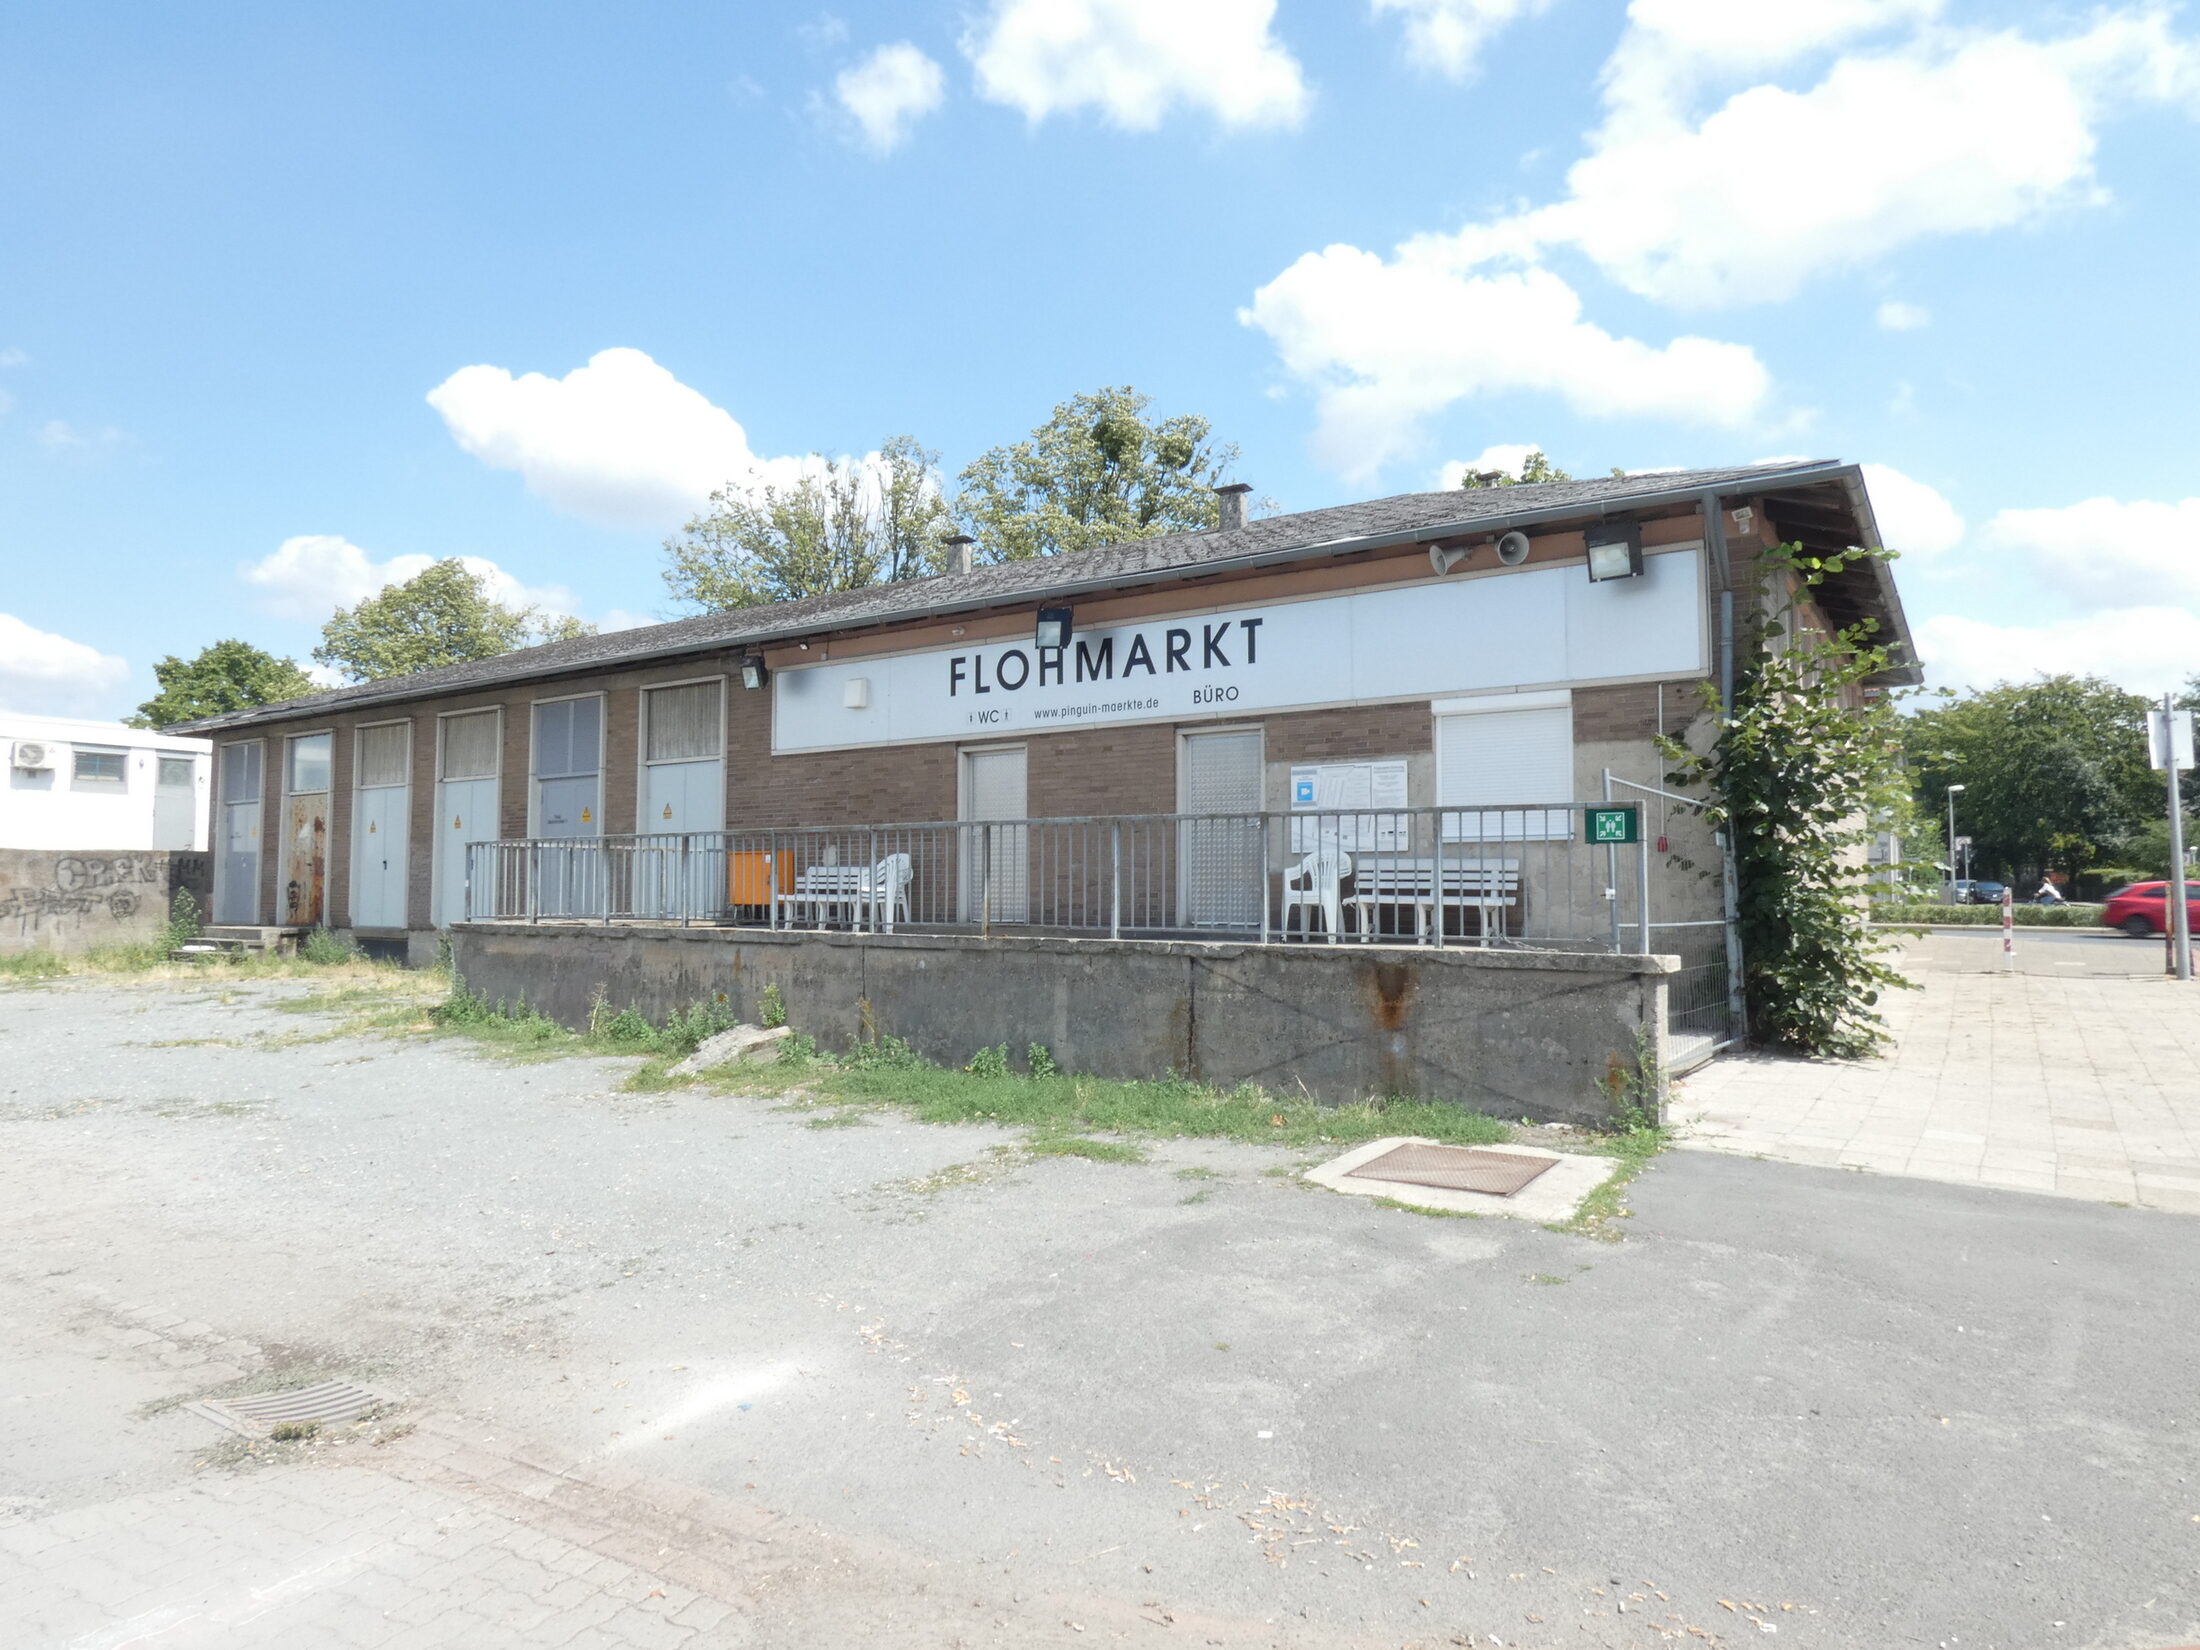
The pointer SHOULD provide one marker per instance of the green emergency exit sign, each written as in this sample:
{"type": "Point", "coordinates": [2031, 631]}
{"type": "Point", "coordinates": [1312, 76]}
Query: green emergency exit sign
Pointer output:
{"type": "Point", "coordinates": [1614, 825]}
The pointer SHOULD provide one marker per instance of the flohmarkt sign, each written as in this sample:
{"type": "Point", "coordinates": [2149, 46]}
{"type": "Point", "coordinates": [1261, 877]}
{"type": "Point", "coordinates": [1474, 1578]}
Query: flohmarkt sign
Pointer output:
{"type": "Point", "coordinates": [1540, 625]}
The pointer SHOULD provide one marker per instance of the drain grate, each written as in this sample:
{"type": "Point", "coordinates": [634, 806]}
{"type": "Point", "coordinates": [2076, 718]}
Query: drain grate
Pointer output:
{"type": "Point", "coordinates": [1455, 1168]}
{"type": "Point", "coordinates": [326, 1402]}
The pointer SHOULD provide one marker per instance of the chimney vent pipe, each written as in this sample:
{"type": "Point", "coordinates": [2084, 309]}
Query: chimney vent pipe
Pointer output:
{"type": "Point", "coordinates": [958, 553]}
{"type": "Point", "coordinates": [1232, 499]}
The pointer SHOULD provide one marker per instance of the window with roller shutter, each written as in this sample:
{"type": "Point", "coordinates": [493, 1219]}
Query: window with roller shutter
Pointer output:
{"type": "Point", "coordinates": [1495, 754]}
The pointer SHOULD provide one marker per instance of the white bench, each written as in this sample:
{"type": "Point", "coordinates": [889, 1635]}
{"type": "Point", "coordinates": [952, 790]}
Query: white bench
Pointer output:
{"type": "Point", "coordinates": [1486, 886]}
{"type": "Point", "coordinates": [863, 889]}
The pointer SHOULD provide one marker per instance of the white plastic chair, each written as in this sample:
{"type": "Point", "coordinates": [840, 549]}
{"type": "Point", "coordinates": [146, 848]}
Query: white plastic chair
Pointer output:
{"type": "Point", "coordinates": [1316, 883]}
{"type": "Point", "coordinates": [890, 879]}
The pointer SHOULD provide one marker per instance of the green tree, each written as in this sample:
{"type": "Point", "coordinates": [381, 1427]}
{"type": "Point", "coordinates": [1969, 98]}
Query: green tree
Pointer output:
{"type": "Point", "coordinates": [2054, 772]}
{"type": "Point", "coordinates": [1535, 467]}
{"type": "Point", "coordinates": [228, 675]}
{"type": "Point", "coordinates": [1803, 761]}
{"type": "Point", "coordinates": [443, 615]}
{"type": "Point", "coordinates": [845, 526]}
{"type": "Point", "coordinates": [1097, 472]}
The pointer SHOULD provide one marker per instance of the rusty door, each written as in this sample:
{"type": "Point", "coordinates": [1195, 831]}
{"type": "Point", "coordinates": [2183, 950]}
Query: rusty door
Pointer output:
{"type": "Point", "coordinates": [305, 831]}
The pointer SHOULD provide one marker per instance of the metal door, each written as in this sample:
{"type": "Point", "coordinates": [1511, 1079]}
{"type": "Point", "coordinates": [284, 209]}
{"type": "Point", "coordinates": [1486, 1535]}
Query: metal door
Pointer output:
{"type": "Point", "coordinates": [1222, 876]}
{"type": "Point", "coordinates": [684, 796]}
{"type": "Point", "coordinates": [380, 806]}
{"type": "Point", "coordinates": [569, 804]}
{"type": "Point", "coordinates": [995, 859]}
{"type": "Point", "coordinates": [466, 804]}
{"type": "Point", "coordinates": [237, 882]}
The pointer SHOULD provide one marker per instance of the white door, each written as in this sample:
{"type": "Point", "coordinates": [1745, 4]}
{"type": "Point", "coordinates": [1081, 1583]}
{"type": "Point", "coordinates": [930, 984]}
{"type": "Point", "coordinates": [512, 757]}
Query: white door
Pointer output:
{"type": "Point", "coordinates": [381, 802]}
{"type": "Point", "coordinates": [466, 800]}
{"type": "Point", "coordinates": [237, 883]}
{"type": "Point", "coordinates": [569, 804]}
{"type": "Point", "coordinates": [996, 859]}
{"type": "Point", "coordinates": [1222, 871]}
{"type": "Point", "coordinates": [176, 804]}
{"type": "Point", "coordinates": [683, 796]}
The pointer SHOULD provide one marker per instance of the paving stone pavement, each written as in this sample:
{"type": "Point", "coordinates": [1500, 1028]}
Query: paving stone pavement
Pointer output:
{"type": "Point", "coordinates": [2061, 1078]}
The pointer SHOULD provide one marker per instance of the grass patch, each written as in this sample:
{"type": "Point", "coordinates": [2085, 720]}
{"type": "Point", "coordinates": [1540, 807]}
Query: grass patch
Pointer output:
{"type": "Point", "coordinates": [150, 961]}
{"type": "Point", "coordinates": [1203, 1195]}
{"type": "Point", "coordinates": [1195, 1172]}
{"type": "Point", "coordinates": [1603, 1209]}
{"type": "Point", "coordinates": [1061, 1105]}
{"type": "Point", "coordinates": [1099, 1151]}
{"type": "Point", "coordinates": [849, 1119]}
{"type": "Point", "coordinates": [1421, 1209]}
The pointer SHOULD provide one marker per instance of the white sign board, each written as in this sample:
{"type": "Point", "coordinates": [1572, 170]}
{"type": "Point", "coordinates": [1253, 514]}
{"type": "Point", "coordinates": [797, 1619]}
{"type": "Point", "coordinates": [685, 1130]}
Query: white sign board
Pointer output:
{"type": "Point", "coordinates": [2169, 733]}
{"type": "Point", "coordinates": [1328, 790]}
{"type": "Point", "coordinates": [1430, 638]}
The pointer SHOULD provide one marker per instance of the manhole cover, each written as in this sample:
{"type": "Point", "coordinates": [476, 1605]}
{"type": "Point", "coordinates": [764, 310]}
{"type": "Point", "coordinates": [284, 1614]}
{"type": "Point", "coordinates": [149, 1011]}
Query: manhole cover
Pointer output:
{"type": "Point", "coordinates": [327, 1402]}
{"type": "Point", "coordinates": [1455, 1168]}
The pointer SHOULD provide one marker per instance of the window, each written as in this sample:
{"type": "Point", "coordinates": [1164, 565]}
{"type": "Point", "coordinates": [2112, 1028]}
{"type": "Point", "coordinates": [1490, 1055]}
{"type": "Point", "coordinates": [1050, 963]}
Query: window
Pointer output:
{"type": "Point", "coordinates": [98, 770]}
{"type": "Point", "coordinates": [566, 735]}
{"type": "Point", "coordinates": [470, 745]}
{"type": "Point", "coordinates": [309, 763]}
{"type": "Point", "coordinates": [683, 723]}
{"type": "Point", "coordinates": [241, 773]}
{"type": "Point", "coordinates": [1500, 752]}
{"type": "Point", "coordinates": [177, 772]}
{"type": "Point", "coordinates": [384, 754]}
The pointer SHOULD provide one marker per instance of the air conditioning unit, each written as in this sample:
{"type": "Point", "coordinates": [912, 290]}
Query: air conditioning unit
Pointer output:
{"type": "Point", "coordinates": [32, 756]}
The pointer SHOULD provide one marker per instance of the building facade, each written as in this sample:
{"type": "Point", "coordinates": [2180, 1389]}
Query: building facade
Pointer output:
{"type": "Point", "coordinates": [1437, 650]}
{"type": "Point", "coordinates": [99, 787]}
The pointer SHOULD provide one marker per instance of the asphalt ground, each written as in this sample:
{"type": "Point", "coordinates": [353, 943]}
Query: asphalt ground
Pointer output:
{"type": "Point", "coordinates": [1847, 1409]}
{"type": "Point", "coordinates": [2067, 951]}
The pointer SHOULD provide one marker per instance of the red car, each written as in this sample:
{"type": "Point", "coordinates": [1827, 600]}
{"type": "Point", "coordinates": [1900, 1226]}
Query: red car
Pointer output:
{"type": "Point", "coordinates": [2142, 909]}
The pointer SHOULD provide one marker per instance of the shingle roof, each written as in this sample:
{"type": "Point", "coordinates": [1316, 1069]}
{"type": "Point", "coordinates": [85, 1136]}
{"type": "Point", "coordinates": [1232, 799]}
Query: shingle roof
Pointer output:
{"type": "Point", "coordinates": [1401, 516]}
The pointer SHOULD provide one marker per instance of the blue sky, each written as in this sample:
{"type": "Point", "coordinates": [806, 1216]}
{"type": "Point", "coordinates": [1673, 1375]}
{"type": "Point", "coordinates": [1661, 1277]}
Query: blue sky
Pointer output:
{"type": "Point", "coordinates": [245, 246]}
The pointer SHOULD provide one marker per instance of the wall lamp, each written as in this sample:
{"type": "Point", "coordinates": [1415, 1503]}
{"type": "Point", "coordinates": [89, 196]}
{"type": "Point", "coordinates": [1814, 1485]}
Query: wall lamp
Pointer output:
{"type": "Point", "coordinates": [1054, 626]}
{"type": "Point", "coordinates": [753, 672]}
{"type": "Point", "coordinates": [1615, 552]}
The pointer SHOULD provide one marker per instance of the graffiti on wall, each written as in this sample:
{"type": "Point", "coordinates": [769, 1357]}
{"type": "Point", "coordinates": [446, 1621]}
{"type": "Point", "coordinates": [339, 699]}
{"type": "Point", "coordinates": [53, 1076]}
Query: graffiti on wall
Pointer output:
{"type": "Point", "coordinates": [75, 888]}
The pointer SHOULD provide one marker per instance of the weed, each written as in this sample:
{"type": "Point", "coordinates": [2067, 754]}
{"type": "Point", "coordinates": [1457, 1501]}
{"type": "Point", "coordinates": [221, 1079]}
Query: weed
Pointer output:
{"type": "Point", "coordinates": [1635, 1090]}
{"type": "Point", "coordinates": [1041, 1061]}
{"type": "Point", "coordinates": [837, 1120]}
{"type": "Point", "coordinates": [1419, 1209]}
{"type": "Point", "coordinates": [289, 1432]}
{"type": "Point", "coordinates": [1195, 1172]}
{"type": "Point", "coordinates": [1200, 1196]}
{"type": "Point", "coordinates": [989, 1062]}
{"type": "Point", "coordinates": [881, 1054]}
{"type": "Point", "coordinates": [33, 965]}
{"type": "Point", "coordinates": [1607, 1205]}
{"type": "Point", "coordinates": [771, 1007]}
{"type": "Point", "coordinates": [185, 921]}
{"type": "Point", "coordinates": [1547, 1277]}
{"type": "Point", "coordinates": [324, 948]}
{"type": "Point", "coordinates": [798, 1050]}
{"type": "Point", "coordinates": [1100, 1151]}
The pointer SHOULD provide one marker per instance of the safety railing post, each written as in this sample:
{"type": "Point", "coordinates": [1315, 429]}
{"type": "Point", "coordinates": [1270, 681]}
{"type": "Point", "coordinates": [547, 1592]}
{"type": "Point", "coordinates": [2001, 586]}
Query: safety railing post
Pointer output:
{"type": "Point", "coordinates": [1115, 879]}
{"type": "Point", "coordinates": [1642, 885]}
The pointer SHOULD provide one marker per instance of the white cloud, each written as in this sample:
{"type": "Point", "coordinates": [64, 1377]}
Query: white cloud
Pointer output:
{"type": "Point", "coordinates": [308, 577]}
{"type": "Point", "coordinates": [1939, 132]}
{"type": "Point", "coordinates": [45, 674]}
{"type": "Point", "coordinates": [2141, 649]}
{"type": "Point", "coordinates": [1135, 60]}
{"type": "Point", "coordinates": [1390, 343]}
{"type": "Point", "coordinates": [2106, 549]}
{"type": "Point", "coordinates": [58, 435]}
{"type": "Point", "coordinates": [619, 441]}
{"type": "Point", "coordinates": [618, 618]}
{"type": "Point", "coordinates": [1505, 456]}
{"type": "Point", "coordinates": [1896, 316]}
{"type": "Point", "coordinates": [1913, 517]}
{"type": "Point", "coordinates": [889, 92]}
{"type": "Point", "coordinates": [14, 356]}
{"type": "Point", "coordinates": [1450, 34]}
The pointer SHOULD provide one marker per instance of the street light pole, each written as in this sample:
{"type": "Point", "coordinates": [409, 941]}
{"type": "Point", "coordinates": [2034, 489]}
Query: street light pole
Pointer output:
{"type": "Point", "coordinates": [2180, 927]}
{"type": "Point", "coordinates": [1952, 789]}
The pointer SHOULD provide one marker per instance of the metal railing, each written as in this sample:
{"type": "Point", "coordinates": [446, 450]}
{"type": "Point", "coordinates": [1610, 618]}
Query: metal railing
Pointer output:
{"type": "Point", "coordinates": [1511, 875]}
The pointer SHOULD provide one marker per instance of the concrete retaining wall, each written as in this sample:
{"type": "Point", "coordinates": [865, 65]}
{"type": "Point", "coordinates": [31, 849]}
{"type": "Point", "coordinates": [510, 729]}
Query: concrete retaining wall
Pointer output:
{"type": "Point", "coordinates": [78, 902]}
{"type": "Point", "coordinates": [1513, 1033]}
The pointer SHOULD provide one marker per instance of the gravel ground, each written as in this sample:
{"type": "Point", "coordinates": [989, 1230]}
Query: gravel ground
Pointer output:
{"type": "Point", "coordinates": [1180, 1402]}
